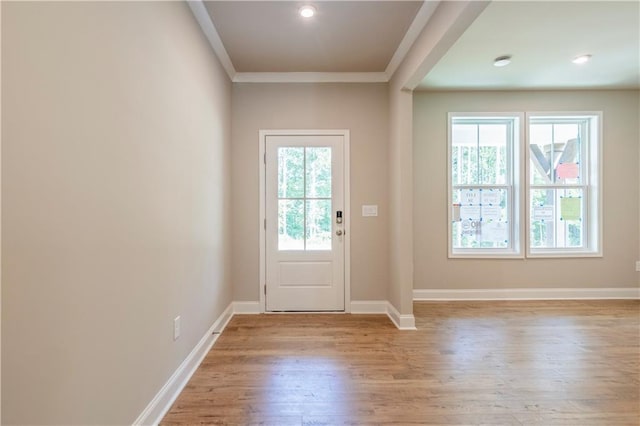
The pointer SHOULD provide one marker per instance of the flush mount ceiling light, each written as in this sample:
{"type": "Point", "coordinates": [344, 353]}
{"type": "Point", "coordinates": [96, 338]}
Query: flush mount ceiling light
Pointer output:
{"type": "Point", "coordinates": [307, 11]}
{"type": "Point", "coordinates": [582, 59]}
{"type": "Point", "coordinates": [502, 61]}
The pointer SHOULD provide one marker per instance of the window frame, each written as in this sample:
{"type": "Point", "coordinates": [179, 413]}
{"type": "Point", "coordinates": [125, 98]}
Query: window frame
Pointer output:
{"type": "Point", "coordinates": [515, 200]}
{"type": "Point", "coordinates": [521, 187]}
{"type": "Point", "coordinates": [592, 183]}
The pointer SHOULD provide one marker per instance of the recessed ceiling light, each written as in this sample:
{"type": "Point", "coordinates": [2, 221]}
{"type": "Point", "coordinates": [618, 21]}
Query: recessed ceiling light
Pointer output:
{"type": "Point", "coordinates": [582, 59]}
{"type": "Point", "coordinates": [307, 11]}
{"type": "Point", "coordinates": [502, 61]}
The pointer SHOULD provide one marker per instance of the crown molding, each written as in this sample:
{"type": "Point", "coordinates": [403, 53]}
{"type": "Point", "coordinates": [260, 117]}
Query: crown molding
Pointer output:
{"type": "Point", "coordinates": [417, 25]}
{"type": "Point", "coordinates": [311, 77]}
{"type": "Point", "coordinates": [204, 20]}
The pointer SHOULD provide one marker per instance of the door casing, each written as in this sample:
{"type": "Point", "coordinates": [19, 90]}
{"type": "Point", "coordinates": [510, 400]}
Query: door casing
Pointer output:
{"type": "Point", "coordinates": [347, 208]}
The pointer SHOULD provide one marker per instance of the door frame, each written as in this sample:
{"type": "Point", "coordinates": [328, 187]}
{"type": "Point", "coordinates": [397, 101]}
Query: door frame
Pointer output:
{"type": "Point", "coordinates": [347, 207]}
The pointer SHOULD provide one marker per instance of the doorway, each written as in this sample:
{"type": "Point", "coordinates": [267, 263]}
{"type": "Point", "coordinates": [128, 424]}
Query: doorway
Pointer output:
{"type": "Point", "coordinates": [305, 230]}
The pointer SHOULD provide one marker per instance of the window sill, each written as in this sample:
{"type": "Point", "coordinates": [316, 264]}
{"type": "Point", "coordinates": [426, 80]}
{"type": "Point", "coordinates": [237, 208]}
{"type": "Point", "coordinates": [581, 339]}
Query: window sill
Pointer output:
{"type": "Point", "coordinates": [563, 254]}
{"type": "Point", "coordinates": [485, 255]}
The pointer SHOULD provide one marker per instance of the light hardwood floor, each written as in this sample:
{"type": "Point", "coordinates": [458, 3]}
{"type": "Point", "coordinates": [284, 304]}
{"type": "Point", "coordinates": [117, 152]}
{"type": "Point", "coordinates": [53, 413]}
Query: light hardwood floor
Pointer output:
{"type": "Point", "coordinates": [469, 363]}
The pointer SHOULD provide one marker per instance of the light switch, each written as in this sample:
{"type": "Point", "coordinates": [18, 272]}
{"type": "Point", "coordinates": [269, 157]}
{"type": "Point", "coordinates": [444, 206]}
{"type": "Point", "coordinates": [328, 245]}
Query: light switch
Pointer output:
{"type": "Point", "coordinates": [369, 210]}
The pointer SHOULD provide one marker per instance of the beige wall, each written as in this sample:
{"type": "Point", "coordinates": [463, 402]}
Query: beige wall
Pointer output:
{"type": "Point", "coordinates": [361, 108]}
{"type": "Point", "coordinates": [446, 22]}
{"type": "Point", "coordinates": [621, 188]}
{"type": "Point", "coordinates": [401, 200]}
{"type": "Point", "coordinates": [115, 176]}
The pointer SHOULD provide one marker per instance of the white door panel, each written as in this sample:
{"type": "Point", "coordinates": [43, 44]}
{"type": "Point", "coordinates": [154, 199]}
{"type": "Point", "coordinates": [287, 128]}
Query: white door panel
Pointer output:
{"type": "Point", "coordinates": [305, 274]}
{"type": "Point", "coordinates": [304, 191]}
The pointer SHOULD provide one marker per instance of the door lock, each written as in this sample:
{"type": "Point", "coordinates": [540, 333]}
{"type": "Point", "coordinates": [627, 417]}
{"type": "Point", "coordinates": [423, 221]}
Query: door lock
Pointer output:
{"type": "Point", "coordinates": [339, 232]}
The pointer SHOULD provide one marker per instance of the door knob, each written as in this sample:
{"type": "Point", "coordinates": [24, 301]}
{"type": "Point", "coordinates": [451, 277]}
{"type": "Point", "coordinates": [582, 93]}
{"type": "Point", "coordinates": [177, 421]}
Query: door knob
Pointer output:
{"type": "Point", "coordinates": [339, 232]}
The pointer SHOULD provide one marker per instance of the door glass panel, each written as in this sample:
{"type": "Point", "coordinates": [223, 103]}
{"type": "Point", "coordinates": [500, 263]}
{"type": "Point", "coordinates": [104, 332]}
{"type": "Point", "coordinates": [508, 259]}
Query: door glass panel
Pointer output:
{"type": "Point", "coordinates": [291, 172]}
{"type": "Point", "coordinates": [290, 225]}
{"type": "Point", "coordinates": [318, 226]}
{"type": "Point", "coordinates": [318, 172]}
{"type": "Point", "coordinates": [304, 198]}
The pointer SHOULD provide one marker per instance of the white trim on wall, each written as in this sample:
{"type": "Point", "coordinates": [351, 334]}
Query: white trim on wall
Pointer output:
{"type": "Point", "coordinates": [310, 77]}
{"type": "Point", "coordinates": [356, 307]}
{"type": "Point", "coordinates": [526, 294]}
{"type": "Point", "coordinates": [166, 396]}
{"type": "Point", "coordinates": [204, 20]}
{"type": "Point", "coordinates": [418, 23]}
{"type": "Point", "coordinates": [403, 322]}
{"type": "Point", "coordinates": [262, 280]}
{"type": "Point", "coordinates": [346, 180]}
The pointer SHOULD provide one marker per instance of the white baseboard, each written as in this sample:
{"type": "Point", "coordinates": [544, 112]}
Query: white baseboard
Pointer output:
{"type": "Point", "coordinates": [403, 322]}
{"type": "Point", "coordinates": [161, 403]}
{"type": "Point", "coordinates": [526, 294]}
{"type": "Point", "coordinates": [369, 306]}
{"type": "Point", "coordinates": [246, 308]}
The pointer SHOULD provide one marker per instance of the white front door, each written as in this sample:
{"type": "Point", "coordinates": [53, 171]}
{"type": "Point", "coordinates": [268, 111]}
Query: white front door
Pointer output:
{"type": "Point", "coordinates": [305, 228]}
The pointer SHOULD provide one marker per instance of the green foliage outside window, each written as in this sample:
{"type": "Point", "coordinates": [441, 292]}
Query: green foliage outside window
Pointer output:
{"type": "Point", "coordinates": [304, 192]}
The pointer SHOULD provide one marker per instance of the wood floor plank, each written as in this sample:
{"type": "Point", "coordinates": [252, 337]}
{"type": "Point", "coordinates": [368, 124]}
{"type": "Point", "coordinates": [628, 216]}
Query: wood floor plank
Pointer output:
{"type": "Point", "coordinates": [511, 363]}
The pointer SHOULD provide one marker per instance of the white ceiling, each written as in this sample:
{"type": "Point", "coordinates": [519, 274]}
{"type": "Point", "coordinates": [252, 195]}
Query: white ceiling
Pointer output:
{"type": "Point", "coordinates": [543, 37]}
{"type": "Point", "coordinates": [365, 40]}
{"type": "Point", "coordinates": [344, 36]}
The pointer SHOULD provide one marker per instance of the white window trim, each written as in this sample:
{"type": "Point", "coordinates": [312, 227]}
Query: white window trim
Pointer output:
{"type": "Point", "coordinates": [594, 190]}
{"type": "Point", "coordinates": [520, 219]}
{"type": "Point", "coordinates": [517, 200]}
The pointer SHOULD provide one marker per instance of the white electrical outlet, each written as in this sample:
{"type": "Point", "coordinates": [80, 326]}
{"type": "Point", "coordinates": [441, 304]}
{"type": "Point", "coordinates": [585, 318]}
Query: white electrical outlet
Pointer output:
{"type": "Point", "coordinates": [176, 327]}
{"type": "Point", "coordinates": [638, 266]}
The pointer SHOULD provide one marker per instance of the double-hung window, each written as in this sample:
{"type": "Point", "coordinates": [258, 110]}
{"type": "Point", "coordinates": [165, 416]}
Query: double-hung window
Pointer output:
{"type": "Point", "coordinates": [564, 184]}
{"type": "Point", "coordinates": [488, 215]}
{"type": "Point", "coordinates": [484, 175]}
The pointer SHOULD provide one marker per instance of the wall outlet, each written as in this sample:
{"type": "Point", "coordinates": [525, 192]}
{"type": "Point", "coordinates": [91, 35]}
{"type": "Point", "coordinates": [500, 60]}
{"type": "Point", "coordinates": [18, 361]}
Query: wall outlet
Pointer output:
{"type": "Point", "coordinates": [638, 266]}
{"type": "Point", "coordinates": [176, 327]}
